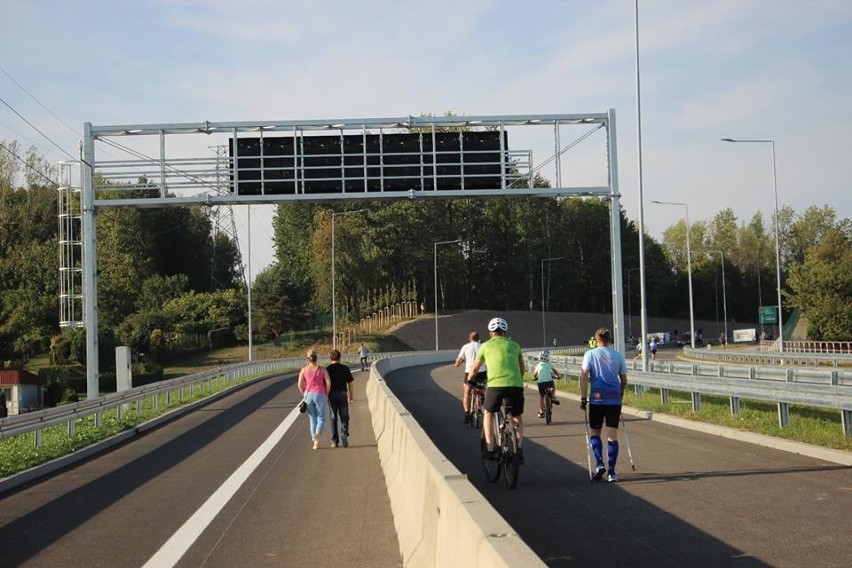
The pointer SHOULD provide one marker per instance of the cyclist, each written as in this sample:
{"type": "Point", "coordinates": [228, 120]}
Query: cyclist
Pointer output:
{"type": "Point", "coordinates": [506, 369]}
{"type": "Point", "coordinates": [362, 355]}
{"type": "Point", "coordinates": [544, 373]}
{"type": "Point", "coordinates": [467, 355]}
{"type": "Point", "coordinates": [606, 369]}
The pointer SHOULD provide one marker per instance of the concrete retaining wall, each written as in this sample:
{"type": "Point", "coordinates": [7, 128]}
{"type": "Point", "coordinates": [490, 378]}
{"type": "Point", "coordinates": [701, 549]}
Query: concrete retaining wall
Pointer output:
{"type": "Point", "coordinates": [440, 518]}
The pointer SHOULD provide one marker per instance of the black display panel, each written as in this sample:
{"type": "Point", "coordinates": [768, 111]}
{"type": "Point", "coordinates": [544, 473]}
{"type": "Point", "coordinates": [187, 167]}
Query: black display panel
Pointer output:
{"type": "Point", "coordinates": [368, 163]}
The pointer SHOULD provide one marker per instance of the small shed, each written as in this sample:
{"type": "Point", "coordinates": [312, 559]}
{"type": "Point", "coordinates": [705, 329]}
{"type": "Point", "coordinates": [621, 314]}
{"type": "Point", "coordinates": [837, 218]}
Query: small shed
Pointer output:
{"type": "Point", "coordinates": [23, 390]}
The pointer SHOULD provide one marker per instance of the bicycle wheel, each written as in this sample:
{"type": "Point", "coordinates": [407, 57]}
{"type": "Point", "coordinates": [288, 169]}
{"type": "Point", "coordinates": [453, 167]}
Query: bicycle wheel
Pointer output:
{"type": "Point", "coordinates": [476, 412]}
{"type": "Point", "coordinates": [548, 408]}
{"type": "Point", "coordinates": [490, 467]}
{"type": "Point", "coordinates": [509, 457]}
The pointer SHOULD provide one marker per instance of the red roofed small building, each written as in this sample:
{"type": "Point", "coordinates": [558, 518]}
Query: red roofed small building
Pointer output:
{"type": "Point", "coordinates": [23, 390]}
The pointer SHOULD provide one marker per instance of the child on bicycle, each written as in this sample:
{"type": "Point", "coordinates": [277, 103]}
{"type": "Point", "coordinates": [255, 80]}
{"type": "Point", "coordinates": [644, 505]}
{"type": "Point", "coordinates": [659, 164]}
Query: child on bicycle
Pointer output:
{"type": "Point", "coordinates": [544, 373]}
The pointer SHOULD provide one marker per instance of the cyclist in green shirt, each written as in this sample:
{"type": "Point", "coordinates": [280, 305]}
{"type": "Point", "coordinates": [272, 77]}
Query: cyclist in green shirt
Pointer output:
{"type": "Point", "coordinates": [505, 362]}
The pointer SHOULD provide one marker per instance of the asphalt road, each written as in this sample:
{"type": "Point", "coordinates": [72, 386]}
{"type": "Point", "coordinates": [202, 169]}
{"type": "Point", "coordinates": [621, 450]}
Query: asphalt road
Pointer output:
{"type": "Point", "coordinates": [297, 507]}
{"type": "Point", "coordinates": [694, 500]}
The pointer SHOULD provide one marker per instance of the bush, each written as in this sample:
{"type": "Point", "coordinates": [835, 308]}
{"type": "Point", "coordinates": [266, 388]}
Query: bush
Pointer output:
{"type": "Point", "coordinates": [69, 395]}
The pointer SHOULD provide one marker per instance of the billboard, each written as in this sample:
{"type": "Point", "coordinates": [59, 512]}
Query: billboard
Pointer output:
{"type": "Point", "coordinates": [328, 164]}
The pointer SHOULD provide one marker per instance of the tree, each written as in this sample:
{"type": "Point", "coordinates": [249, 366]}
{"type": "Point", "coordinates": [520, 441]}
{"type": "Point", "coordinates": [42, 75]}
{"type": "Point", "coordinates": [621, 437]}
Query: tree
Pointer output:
{"type": "Point", "coordinates": [822, 287]}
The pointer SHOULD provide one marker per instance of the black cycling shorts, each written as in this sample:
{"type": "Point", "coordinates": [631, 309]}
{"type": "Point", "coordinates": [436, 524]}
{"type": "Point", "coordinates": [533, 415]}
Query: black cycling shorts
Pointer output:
{"type": "Point", "coordinates": [544, 387]}
{"type": "Point", "coordinates": [514, 399]}
{"type": "Point", "coordinates": [599, 412]}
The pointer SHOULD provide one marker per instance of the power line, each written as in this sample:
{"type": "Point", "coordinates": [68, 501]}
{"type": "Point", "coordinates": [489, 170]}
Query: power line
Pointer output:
{"type": "Point", "coordinates": [38, 101]}
{"type": "Point", "coordinates": [34, 127]}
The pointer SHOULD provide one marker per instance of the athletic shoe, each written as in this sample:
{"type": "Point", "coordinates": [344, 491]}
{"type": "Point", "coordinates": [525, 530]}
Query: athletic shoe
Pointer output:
{"type": "Point", "coordinates": [345, 441]}
{"type": "Point", "coordinates": [333, 445]}
{"type": "Point", "coordinates": [316, 444]}
{"type": "Point", "coordinates": [612, 478]}
{"type": "Point", "coordinates": [467, 418]}
{"type": "Point", "coordinates": [541, 414]}
{"type": "Point", "coordinates": [600, 470]}
{"type": "Point", "coordinates": [520, 456]}
{"type": "Point", "coordinates": [556, 402]}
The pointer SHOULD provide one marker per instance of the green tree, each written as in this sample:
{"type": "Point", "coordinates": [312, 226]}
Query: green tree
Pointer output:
{"type": "Point", "coordinates": [822, 287]}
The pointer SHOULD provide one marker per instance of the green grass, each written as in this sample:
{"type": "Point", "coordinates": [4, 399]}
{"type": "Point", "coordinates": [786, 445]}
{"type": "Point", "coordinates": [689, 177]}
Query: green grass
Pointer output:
{"type": "Point", "coordinates": [809, 425]}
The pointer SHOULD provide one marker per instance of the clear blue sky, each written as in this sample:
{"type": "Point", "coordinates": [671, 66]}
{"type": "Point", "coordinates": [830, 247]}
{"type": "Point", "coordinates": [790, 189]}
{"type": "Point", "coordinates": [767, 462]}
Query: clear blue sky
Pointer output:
{"type": "Point", "coordinates": [779, 69]}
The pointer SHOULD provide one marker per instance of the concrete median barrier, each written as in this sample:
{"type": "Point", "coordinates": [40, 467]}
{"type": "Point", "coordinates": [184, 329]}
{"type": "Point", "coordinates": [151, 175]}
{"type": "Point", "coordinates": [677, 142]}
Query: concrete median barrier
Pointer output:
{"type": "Point", "coordinates": [440, 518]}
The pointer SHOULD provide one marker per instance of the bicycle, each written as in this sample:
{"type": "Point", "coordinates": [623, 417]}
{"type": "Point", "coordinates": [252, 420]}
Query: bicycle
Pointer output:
{"type": "Point", "coordinates": [506, 445]}
{"type": "Point", "coordinates": [477, 400]}
{"type": "Point", "coordinates": [548, 407]}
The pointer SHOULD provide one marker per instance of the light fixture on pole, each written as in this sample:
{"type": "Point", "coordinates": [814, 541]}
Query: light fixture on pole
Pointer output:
{"type": "Point", "coordinates": [435, 246]}
{"type": "Point", "coordinates": [724, 298]}
{"type": "Point", "coordinates": [688, 269]}
{"type": "Point", "coordinates": [543, 300]}
{"type": "Point", "coordinates": [777, 238]}
{"type": "Point", "coordinates": [333, 280]}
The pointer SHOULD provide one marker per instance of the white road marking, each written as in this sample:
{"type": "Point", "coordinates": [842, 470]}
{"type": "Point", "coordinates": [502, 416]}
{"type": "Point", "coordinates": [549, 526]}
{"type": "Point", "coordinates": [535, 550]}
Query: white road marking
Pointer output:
{"type": "Point", "coordinates": [174, 548]}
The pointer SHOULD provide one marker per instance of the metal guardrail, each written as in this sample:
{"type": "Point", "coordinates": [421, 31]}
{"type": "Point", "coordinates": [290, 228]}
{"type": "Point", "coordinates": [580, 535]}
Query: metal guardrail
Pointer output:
{"type": "Point", "coordinates": [68, 414]}
{"type": "Point", "coordinates": [770, 357]}
{"type": "Point", "coordinates": [807, 386]}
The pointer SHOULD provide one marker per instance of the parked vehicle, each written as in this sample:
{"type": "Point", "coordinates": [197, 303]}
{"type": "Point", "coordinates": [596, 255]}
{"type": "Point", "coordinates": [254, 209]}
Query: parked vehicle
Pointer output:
{"type": "Point", "coordinates": [684, 340]}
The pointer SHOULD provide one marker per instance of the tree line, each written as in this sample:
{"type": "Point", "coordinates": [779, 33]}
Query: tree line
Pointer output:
{"type": "Point", "coordinates": [168, 281]}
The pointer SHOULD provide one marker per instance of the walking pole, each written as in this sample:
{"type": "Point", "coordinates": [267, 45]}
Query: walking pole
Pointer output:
{"type": "Point", "coordinates": [588, 444]}
{"type": "Point", "coordinates": [627, 441]}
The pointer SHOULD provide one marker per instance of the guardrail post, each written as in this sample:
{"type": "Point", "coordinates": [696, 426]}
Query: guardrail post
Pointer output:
{"type": "Point", "coordinates": [696, 402]}
{"type": "Point", "coordinates": [846, 420]}
{"type": "Point", "coordinates": [735, 406]}
{"type": "Point", "coordinates": [721, 372]}
{"type": "Point", "coordinates": [835, 378]}
{"type": "Point", "coordinates": [788, 374]}
{"type": "Point", "coordinates": [783, 414]}
{"type": "Point", "coordinates": [664, 396]}
{"type": "Point", "coordinates": [98, 419]}
{"type": "Point", "coordinates": [70, 428]}
{"type": "Point", "coordinates": [38, 438]}
{"type": "Point", "coordinates": [752, 373]}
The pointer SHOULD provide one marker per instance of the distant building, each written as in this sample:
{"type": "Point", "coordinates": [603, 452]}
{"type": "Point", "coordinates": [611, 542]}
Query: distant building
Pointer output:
{"type": "Point", "coordinates": [23, 390]}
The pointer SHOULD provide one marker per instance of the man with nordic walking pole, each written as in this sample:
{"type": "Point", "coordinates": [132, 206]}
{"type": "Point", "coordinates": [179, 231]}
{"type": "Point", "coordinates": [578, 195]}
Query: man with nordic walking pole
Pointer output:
{"type": "Point", "coordinates": [605, 370]}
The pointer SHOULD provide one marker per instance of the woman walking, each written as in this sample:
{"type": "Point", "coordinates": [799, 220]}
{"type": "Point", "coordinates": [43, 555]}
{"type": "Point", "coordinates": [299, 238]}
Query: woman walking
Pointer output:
{"type": "Point", "coordinates": [314, 384]}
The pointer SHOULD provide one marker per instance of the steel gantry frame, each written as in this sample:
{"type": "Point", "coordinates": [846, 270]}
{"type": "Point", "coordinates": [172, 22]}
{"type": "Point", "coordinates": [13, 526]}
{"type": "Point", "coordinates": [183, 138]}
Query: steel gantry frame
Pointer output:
{"type": "Point", "coordinates": [184, 173]}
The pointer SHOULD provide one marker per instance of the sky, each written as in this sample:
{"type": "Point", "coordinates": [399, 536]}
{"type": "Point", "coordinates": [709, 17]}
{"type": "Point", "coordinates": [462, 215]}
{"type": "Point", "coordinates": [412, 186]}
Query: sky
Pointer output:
{"type": "Point", "coordinates": [709, 69]}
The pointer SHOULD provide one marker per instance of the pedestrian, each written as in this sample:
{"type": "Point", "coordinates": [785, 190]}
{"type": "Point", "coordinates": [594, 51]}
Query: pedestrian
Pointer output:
{"type": "Point", "coordinates": [654, 348]}
{"type": "Point", "coordinates": [314, 384]}
{"type": "Point", "coordinates": [605, 369]}
{"type": "Point", "coordinates": [362, 354]}
{"type": "Point", "coordinates": [544, 373]}
{"type": "Point", "coordinates": [339, 398]}
{"type": "Point", "coordinates": [4, 410]}
{"type": "Point", "coordinates": [467, 356]}
{"type": "Point", "coordinates": [506, 369]}
{"type": "Point", "coordinates": [638, 350]}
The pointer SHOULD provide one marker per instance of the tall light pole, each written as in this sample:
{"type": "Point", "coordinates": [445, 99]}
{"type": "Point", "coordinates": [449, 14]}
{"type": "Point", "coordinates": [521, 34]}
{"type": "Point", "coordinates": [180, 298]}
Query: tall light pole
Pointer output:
{"type": "Point", "coordinates": [777, 238]}
{"type": "Point", "coordinates": [333, 280]}
{"type": "Point", "coordinates": [688, 268]}
{"type": "Point", "coordinates": [543, 301]}
{"type": "Point", "coordinates": [435, 246]}
{"type": "Point", "coordinates": [724, 297]}
{"type": "Point", "coordinates": [643, 318]}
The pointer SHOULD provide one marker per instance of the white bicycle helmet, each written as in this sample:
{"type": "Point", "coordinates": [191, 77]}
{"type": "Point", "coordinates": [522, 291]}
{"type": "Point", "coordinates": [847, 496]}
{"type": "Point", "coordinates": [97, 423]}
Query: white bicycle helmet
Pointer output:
{"type": "Point", "coordinates": [498, 323]}
{"type": "Point", "coordinates": [545, 356]}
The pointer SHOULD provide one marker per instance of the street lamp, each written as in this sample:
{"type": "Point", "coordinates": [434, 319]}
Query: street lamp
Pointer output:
{"type": "Point", "coordinates": [333, 281]}
{"type": "Point", "coordinates": [688, 268]}
{"type": "Point", "coordinates": [543, 301]}
{"type": "Point", "coordinates": [436, 284]}
{"type": "Point", "coordinates": [777, 239]}
{"type": "Point", "coordinates": [629, 311]}
{"type": "Point", "coordinates": [724, 297]}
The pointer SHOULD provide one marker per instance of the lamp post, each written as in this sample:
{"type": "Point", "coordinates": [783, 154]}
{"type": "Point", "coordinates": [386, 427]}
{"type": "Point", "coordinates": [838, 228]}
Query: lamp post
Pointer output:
{"type": "Point", "coordinates": [333, 280]}
{"type": "Point", "coordinates": [777, 239]}
{"type": "Point", "coordinates": [629, 314]}
{"type": "Point", "coordinates": [436, 283]}
{"type": "Point", "coordinates": [724, 297]}
{"type": "Point", "coordinates": [688, 269]}
{"type": "Point", "coordinates": [543, 300]}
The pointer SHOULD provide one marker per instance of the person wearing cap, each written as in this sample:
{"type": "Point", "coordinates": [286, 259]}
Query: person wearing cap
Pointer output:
{"type": "Point", "coordinates": [314, 384]}
{"type": "Point", "coordinates": [605, 370]}
{"type": "Point", "coordinates": [506, 369]}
